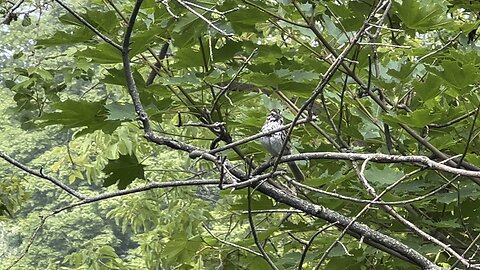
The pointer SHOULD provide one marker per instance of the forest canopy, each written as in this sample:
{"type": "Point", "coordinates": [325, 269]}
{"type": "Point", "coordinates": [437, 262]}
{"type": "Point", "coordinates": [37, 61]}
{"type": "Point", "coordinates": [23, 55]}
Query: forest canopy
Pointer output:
{"type": "Point", "coordinates": [239, 134]}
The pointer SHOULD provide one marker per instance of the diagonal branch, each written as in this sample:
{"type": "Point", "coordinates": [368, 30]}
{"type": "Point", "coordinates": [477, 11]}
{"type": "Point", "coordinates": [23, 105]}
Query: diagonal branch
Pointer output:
{"type": "Point", "coordinates": [326, 78]}
{"type": "Point", "coordinates": [89, 26]}
{"type": "Point", "coordinates": [412, 227]}
{"type": "Point", "coordinates": [226, 87]}
{"type": "Point", "coordinates": [254, 232]}
{"type": "Point", "coordinates": [10, 14]}
{"type": "Point", "coordinates": [40, 174]}
{"type": "Point", "coordinates": [228, 35]}
{"type": "Point", "coordinates": [358, 230]}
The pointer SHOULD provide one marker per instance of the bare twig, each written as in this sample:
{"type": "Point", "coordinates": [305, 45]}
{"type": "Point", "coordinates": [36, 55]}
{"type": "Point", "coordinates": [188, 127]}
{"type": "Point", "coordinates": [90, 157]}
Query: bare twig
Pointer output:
{"type": "Point", "coordinates": [473, 243]}
{"type": "Point", "coordinates": [230, 243]}
{"type": "Point", "coordinates": [454, 121]}
{"type": "Point", "coordinates": [213, 125]}
{"type": "Point", "coordinates": [381, 158]}
{"type": "Point", "coordinates": [356, 200]}
{"type": "Point", "coordinates": [254, 232]}
{"type": "Point", "coordinates": [169, 10]}
{"type": "Point", "coordinates": [404, 221]}
{"type": "Point", "coordinates": [226, 87]}
{"type": "Point", "coordinates": [267, 211]}
{"type": "Point", "coordinates": [42, 175]}
{"type": "Point", "coordinates": [252, 181]}
{"type": "Point", "coordinates": [222, 13]}
{"type": "Point", "coordinates": [440, 49]}
{"type": "Point", "coordinates": [470, 135]}
{"type": "Point", "coordinates": [384, 45]}
{"type": "Point", "coordinates": [30, 242]}
{"type": "Point", "coordinates": [228, 35]}
{"type": "Point", "coordinates": [310, 242]}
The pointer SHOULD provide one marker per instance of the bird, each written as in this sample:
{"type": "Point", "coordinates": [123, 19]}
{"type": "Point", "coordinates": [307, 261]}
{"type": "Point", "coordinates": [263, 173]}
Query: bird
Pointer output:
{"type": "Point", "coordinates": [274, 142]}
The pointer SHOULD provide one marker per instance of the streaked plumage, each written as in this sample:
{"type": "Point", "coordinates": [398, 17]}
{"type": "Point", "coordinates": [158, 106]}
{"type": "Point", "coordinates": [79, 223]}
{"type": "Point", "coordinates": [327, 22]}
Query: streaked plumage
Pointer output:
{"type": "Point", "coordinates": [273, 142]}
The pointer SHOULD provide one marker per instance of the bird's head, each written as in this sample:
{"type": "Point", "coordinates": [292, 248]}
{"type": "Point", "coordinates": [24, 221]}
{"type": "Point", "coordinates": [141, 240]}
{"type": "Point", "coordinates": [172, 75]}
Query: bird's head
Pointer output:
{"type": "Point", "coordinates": [274, 115]}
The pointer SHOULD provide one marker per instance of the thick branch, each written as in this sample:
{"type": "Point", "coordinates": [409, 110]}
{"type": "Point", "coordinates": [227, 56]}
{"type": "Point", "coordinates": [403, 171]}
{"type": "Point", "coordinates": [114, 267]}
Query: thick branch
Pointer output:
{"type": "Point", "coordinates": [132, 87]}
{"type": "Point", "coordinates": [357, 230]}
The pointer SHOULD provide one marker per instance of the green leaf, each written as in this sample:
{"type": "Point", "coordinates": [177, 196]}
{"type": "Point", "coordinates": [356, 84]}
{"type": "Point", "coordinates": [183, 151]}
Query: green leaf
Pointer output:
{"type": "Point", "coordinates": [79, 35]}
{"type": "Point", "coordinates": [298, 76]}
{"type": "Point", "coordinates": [102, 20]}
{"type": "Point", "coordinates": [188, 79]}
{"type": "Point", "coordinates": [457, 74]}
{"type": "Point", "coordinates": [188, 57]}
{"type": "Point", "coordinates": [429, 88]}
{"type": "Point", "coordinates": [103, 54]}
{"type": "Point", "coordinates": [423, 14]}
{"type": "Point", "coordinates": [418, 118]}
{"type": "Point", "coordinates": [382, 175]}
{"type": "Point", "coordinates": [120, 111]}
{"type": "Point", "coordinates": [76, 114]}
{"type": "Point", "coordinates": [142, 40]}
{"type": "Point", "coordinates": [123, 171]}
{"type": "Point", "coordinates": [26, 20]}
{"type": "Point", "coordinates": [245, 19]}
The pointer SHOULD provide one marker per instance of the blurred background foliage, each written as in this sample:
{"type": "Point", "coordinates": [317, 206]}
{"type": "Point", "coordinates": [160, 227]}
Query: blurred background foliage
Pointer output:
{"type": "Point", "coordinates": [66, 109]}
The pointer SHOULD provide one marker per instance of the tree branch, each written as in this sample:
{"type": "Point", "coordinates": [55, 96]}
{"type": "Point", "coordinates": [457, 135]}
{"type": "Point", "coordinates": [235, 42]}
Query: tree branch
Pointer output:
{"type": "Point", "coordinates": [40, 174]}
{"type": "Point", "coordinates": [89, 26]}
{"type": "Point", "coordinates": [132, 87]}
{"type": "Point", "coordinates": [254, 232]}
{"type": "Point", "coordinates": [380, 158]}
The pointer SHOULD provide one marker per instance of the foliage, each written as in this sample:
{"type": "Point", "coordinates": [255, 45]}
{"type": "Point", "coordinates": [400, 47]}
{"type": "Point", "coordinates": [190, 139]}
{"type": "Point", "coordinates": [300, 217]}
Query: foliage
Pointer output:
{"type": "Point", "coordinates": [408, 87]}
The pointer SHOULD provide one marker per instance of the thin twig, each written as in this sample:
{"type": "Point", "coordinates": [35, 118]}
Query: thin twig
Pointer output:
{"type": "Point", "coordinates": [230, 243]}
{"type": "Point", "coordinates": [440, 49]}
{"type": "Point", "coordinates": [30, 242]}
{"type": "Point", "coordinates": [169, 10]}
{"type": "Point", "coordinates": [454, 121]}
{"type": "Point", "coordinates": [254, 232]}
{"type": "Point", "coordinates": [222, 13]}
{"type": "Point", "coordinates": [228, 35]}
{"type": "Point", "coordinates": [42, 175]}
{"type": "Point", "coordinates": [235, 76]}
{"type": "Point", "coordinates": [356, 200]}
{"type": "Point", "coordinates": [404, 221]}
{"type": "Point", "coordinates": [384, 45]}
{"type": "Point", "coordinates": [89, 26]}
{"type": "Point", "coordinates": [466, 250]}
{"type": "Point", "coordinates": [310, 242]}
{"type": "Point", "coordinates": [470, 134]}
